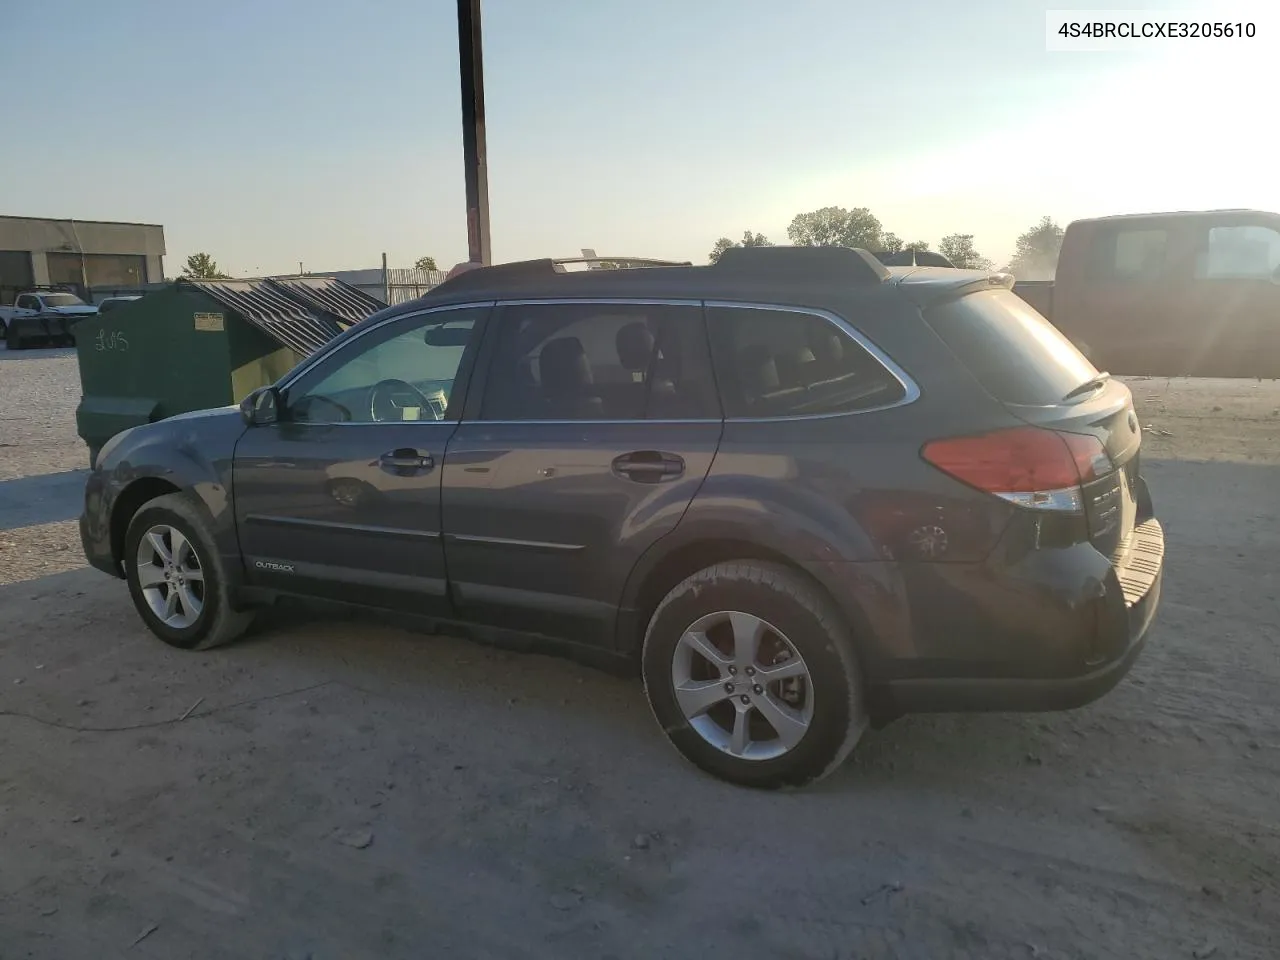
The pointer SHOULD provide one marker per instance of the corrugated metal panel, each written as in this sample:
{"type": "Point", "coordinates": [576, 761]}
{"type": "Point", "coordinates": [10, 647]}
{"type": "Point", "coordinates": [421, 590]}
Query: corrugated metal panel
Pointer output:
{"type": "Point", "coordinates": [342, 301]}
{"type": "Point", "coordinates": [273, 312]}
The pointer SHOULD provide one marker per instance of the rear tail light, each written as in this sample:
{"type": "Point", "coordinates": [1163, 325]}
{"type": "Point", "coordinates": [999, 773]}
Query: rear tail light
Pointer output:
{"type": "Point", "coordinates": [1028, 466]}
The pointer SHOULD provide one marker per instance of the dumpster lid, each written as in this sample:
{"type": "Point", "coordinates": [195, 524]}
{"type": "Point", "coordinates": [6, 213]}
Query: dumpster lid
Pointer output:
{"type": "Point", "coordinates": [330, 295]}
{"type": "Point", "coordinates": [272, 311]}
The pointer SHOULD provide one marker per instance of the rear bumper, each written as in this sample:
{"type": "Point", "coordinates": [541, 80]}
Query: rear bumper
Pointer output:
{"type": "Point", "coordinates": [1138, 577]}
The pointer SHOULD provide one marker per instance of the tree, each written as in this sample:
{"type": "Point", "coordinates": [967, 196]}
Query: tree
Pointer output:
{"type": "Point", "coordinates": [1035, 256]}
{"type": "Point", "coordinates": [837, 227]}
{"type": "Point", "coordinates": [959, 249]}
{"type": "Point", "coordinates": [425, 263]}
{"type": "Point", "coordinates": [201, 266]}
{"type": "Point", "coordinates": [919, 246]}
{"type": "Point", "coordinates": [891, 243]}
{"type": "Point", "coordinates": [749, 239]}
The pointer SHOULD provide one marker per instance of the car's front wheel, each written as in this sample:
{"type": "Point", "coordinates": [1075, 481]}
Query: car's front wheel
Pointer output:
{"type": "Point", "coordinates": [751, 673]}
{"type": "Point", "coordinates": [176, 577]}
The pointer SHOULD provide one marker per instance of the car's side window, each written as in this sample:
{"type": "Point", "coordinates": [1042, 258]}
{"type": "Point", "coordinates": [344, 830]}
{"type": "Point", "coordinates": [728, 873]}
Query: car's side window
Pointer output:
{"type": "Point", "coordinates": [599, 361]}
{"type": "Point", "coordinates": [26, 303]}
{"type": "Point", "coordinates": [403, 370]}
{"type": "Point", "coordinates": [1244, 252]}
{"type": "Point", "coordinates": [788, 363]}
{"type": "Point", "coordinates": [1139, 254]}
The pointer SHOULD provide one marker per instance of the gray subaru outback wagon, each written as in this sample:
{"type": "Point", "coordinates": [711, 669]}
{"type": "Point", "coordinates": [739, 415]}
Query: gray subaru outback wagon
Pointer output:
{"type": "Point", "coordinates": [799, 491]}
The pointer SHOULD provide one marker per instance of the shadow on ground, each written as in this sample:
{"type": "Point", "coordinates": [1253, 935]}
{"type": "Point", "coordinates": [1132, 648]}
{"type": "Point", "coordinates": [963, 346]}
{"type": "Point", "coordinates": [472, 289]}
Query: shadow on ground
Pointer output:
{"type": "Point", "coordinates": [46, 498]}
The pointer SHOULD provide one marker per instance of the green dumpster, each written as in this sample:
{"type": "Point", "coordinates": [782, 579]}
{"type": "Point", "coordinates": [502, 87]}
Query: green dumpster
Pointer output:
{"type": "Point", "coordinates": [201, 344]}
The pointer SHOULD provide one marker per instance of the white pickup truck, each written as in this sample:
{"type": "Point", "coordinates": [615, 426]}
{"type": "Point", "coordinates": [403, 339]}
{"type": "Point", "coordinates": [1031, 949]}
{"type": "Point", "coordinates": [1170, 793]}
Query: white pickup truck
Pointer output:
{"type": "Point", "coordinates": [43, 316]}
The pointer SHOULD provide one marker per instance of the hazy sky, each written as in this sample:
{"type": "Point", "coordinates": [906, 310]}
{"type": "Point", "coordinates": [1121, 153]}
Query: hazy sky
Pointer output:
{"type": "Point", "coordinates": [328, 131]}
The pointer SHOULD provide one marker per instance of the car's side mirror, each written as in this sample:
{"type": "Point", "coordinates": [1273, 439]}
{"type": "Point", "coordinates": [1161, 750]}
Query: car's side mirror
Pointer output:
{"type": "Point", "coordinates": [261, 407]}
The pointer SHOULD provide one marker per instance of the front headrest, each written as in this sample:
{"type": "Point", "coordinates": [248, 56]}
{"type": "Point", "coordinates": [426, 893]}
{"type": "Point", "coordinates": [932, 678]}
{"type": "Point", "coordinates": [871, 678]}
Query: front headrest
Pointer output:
{"type": "Point", "coordinates": [635, 347]}
{"type": "Point", "coordinates": [563, 366]}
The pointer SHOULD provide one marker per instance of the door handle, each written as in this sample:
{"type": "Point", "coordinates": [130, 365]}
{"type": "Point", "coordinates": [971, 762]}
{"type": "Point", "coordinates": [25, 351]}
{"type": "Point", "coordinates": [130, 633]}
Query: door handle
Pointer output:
{"type": "Point", "coordinates": [648, 466]}
{"type": "Point", "coordinates": [407, 459]}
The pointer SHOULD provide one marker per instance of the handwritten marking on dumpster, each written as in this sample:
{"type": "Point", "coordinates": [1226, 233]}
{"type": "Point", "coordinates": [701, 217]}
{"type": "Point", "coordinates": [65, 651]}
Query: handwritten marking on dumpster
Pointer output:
{"type": "Point", "coordinates": [113, 340]}
{"type": "Point", "coordinates": [209, 322]}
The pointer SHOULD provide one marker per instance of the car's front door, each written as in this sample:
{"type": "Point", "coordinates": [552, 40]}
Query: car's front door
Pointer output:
{"type": "Point", "coordinates": [597, 425]}
{"type": "Point", "coordinates": [341, 497]}
{"type": "Point", "coordinates": [1233, 302]}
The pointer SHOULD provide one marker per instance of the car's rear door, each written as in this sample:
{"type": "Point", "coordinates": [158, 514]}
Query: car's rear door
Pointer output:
{"type": "Point", "coordinates": [597, 425]}
{"type": "Point", "coordinates": [341, 498]}
{"type": "Point", "coordinates": [1119, 301]}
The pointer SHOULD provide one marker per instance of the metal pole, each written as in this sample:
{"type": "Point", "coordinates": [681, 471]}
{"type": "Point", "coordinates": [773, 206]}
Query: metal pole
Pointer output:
{"type": "Point", "coordinates": [471, 68]}
{"type": "Point", "coordinates": [386, 285]}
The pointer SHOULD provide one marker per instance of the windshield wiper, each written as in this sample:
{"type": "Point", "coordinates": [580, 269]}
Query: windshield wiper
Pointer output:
{"type": "Point", "coordinates": [1088, 386]}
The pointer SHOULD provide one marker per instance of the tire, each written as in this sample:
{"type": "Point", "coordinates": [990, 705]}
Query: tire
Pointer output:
{"type": "Point", "coordinates": [215, 622]}
{"type": "Point", "coordinates": [795, 619]}
{"type": "Point", "coordinates": [12, 340]}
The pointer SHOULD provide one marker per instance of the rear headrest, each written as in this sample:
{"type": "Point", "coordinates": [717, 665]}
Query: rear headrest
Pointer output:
{"type": "Point", "coordinates": [825, 341]}
{"type": "Point", "coordinates": [759, 372]}
{"type": "Point", "coordinates": [635, 347]}
{"type": "Point", "coordinates": [790, 365]}
{"type": "Point", "coordinates": [564, 367]}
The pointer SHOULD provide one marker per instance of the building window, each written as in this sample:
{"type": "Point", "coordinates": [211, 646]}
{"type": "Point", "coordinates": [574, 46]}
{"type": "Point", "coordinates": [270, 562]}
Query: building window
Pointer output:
{"type": "Point", "coordinates": [1239, 253]}
{"type": "Point", "coordinates": [102, 270]}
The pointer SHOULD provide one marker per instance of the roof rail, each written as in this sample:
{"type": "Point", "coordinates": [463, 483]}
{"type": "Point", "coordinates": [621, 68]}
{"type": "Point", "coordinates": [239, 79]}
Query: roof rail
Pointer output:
{"type": "Point", "coordinates": [625, 262]}
{"type": "Point", "coordinates": [842, 264]}
{"type": "Point", "coordinates": [543, 269]}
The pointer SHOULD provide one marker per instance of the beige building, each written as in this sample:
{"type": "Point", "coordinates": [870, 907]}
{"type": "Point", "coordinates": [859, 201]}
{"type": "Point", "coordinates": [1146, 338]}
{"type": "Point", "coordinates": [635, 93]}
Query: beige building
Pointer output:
{"type": "Point", "coordinates": [92, 253]}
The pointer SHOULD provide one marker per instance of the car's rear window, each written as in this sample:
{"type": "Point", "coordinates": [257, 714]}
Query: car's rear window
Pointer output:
{"type": "Point", "coordinates": [1016, 354]}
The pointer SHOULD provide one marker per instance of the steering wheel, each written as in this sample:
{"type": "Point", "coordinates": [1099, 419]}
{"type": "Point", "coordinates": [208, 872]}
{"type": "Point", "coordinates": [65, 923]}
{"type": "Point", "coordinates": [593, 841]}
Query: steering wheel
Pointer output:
{"type": "Point", "coordinates": [387, 401]}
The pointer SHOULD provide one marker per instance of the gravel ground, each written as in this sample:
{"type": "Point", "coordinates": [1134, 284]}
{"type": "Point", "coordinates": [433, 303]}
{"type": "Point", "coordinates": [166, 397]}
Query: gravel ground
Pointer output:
{"type": "Point", "coordinates": [337, 787]}
{"type": "Point", "coordinates": [39, 390]}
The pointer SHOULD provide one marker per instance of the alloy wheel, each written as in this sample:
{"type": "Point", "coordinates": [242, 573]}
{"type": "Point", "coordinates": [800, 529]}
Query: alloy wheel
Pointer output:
{"type": "Point", "coordinates": [171, 576]}
{"type": "Point", "coordinates": [742, 685]}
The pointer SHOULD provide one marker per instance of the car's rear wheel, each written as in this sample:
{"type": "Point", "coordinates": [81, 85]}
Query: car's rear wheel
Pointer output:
{"type": "Point", "coordinates": [751, 673]}
{"type": "Point", "coordinates": [176, 577]}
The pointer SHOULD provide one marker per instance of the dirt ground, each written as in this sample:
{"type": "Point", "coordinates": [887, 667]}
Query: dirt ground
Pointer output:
{"type": "Point", "coordinates": [340, 788]}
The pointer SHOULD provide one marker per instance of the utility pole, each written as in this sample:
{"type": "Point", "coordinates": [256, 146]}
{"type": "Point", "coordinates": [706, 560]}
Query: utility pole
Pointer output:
{"type": "Point", "coordinates": [474, 154]}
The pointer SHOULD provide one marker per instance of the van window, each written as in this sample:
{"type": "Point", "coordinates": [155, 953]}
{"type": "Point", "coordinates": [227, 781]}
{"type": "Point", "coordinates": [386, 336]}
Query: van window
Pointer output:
{"type": "Point", "coordinates": [1017, 355]}
{"type": "Point", "coordinates": [1245, 252]}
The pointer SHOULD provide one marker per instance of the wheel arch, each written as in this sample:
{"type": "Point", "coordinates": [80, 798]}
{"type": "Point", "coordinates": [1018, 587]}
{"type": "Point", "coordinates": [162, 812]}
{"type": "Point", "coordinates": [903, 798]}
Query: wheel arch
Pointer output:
{"type": "Point", "coordinates": [683, 554]}
{"type": "Point", "coordinates": [127, 504]}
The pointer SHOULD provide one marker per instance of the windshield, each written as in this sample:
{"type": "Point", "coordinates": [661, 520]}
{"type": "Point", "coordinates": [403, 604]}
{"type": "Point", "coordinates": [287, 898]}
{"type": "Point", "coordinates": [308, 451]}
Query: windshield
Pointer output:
{"type": "Point", "coordinates": [1016, 354]}
{"type": "Point", "coordinates": [62, 300]}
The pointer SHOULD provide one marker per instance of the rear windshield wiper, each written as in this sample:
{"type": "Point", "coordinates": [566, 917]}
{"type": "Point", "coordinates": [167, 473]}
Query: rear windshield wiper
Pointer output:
{"type": "Point", "coordinates": [1088, 386]}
